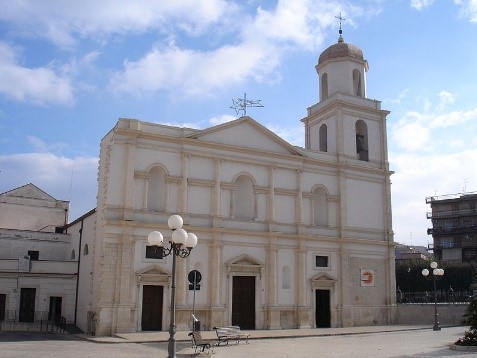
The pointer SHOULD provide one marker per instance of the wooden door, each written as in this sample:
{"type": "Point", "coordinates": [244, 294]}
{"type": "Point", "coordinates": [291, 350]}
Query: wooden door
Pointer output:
{"type": "Point", "coordinates": [3, 299]}
{"type": "Point", "coordinates": [27, 305]}
{"type": "Point", "coordinates": [54, 313]}
{"type": "Point", "coordinates": [243, 302]}
{"type": "Point", "coordinates": [152, 297]}
{"type": "Point", "coordinates": [322, 312]}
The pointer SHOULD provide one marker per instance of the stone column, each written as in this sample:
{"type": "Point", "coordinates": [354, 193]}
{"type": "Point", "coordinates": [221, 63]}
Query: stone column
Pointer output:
{"type": "Point", "coordinates": [181, 281]}
{"type": "Point", "coordinates": [128, 188]}
{"type": "Point", "coordinates": [216, 269]}
{"type": "Point", "coordinates": [216, 193]}
{"type": "Point", "coordinates": [274, 313]}
{"type": "Point", "coordinates": [299, 199]}
{"type": "Point", "coordinates": [184, 184]}
{"type": "Point", "coordinates": [123, 305]}
{"type": "Point", "coordinates": [183, 317]}
{"type": "Point", "coordinates": [271, 195]}
{"type": "Point", "coordinates": [304, 311]}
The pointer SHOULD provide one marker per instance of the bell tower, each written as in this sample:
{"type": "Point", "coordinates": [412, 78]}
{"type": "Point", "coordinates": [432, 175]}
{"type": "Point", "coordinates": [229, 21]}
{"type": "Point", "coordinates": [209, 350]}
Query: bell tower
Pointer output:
{"type": "Point", "coordinates": [345, 123]}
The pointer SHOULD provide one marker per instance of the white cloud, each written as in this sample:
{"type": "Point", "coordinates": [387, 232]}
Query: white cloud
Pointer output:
{"type": "Point", "coordinates": [61, 21]}
{"type": "Point", "coordinates": [410, 133]}
{"type": "Point", "coordinates": [262, 42]}
{"type": "Point", "coordinates": [468, 9]}
{"type": "Point", "coordinates": [294, 135]}
{"type": "Point", "coordinates": [43, 147]}
{"type": "Point", "coordinates": [40, 85]}
{"type": "Point", "coordinates": [421, 4]}
{"type": "Point", "coordinates": [224, 118]}
{"type": "Point", "coordinates": [417, 130]}
{"type": "Point", "coordinates": [453, 118]}
{"type": "Point", "coordinates": [192, 73]}
{"type": "Point", "coordinates": [438, 154]}
{"type": "Point", "coordinates": [418, 176]}
{"type": "Point", "coordinates": [71, 179]}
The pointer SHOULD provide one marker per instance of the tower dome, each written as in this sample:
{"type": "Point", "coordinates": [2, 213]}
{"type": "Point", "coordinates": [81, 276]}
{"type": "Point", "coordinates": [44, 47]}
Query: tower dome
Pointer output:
{"type": "Point", "coordinates": [342, 68]}
{"type": "Point", "coordinates": [341, 49]}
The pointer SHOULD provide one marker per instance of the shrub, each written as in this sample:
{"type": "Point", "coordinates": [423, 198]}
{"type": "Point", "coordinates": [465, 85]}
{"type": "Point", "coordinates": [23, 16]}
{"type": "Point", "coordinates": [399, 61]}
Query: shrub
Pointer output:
{"type": "Point", "coordinates": [470, 318]}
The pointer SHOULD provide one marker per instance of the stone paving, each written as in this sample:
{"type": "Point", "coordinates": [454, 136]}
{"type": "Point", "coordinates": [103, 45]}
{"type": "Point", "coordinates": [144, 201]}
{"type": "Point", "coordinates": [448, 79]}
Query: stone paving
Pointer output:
{"type": "Point", "coordinates": [379, 342]}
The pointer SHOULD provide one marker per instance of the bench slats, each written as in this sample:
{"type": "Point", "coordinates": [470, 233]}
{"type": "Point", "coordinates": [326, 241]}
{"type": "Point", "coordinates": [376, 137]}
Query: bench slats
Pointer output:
{"type": "Point", "coordinates": [224, 334]}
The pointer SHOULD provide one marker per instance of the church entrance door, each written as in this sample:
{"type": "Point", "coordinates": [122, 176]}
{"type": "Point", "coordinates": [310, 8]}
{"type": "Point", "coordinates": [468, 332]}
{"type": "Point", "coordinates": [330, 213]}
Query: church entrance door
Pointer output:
{"type": "Point", "coordinates": [152, 297]}
{"type": "Point", "coordinates": [322, 311]}
{"type": "Point", "coordinates": [243, 302]}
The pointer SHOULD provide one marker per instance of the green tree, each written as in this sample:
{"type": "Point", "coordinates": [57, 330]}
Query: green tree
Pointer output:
{"type": "Point", "coordinates": [470, 318]}
{"type": "Point", "coordinates": [458, 275]}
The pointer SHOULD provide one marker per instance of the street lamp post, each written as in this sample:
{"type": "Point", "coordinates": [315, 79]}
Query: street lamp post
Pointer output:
{"type": "Point", "coordinates": [436, 272]}
{"type": "Point", "coordinates": [181, 245]}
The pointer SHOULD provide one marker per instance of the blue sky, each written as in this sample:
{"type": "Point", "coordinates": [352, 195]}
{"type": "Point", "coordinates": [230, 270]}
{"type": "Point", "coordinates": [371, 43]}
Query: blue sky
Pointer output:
{"type": "Point", "coordinates": [70, 69]}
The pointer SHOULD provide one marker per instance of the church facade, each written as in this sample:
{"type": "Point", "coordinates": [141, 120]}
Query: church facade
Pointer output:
{"type": "Point", "coordinates": [288, 237]}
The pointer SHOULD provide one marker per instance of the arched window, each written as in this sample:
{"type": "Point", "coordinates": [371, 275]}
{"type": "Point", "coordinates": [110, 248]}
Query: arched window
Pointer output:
{"type": "Point", "coordinates": [73, 254]}
{"type": "Point", "coordinates": [320, 207]}
{"type": "Point", "coordinates": [86, 250]}
{"type": "Point", "coordinates": [357, 83]}
{"type": "Point", "coordinates": [286, 277]}
{"type": "Point", "coordinates": [362, 140]}
{"type": "Point", "coordinates": [324, 86]}
{"type": "Point", "coordinates": [244, 198]}
{"type": "Point", "coordinates": [156, 190]}
{"type": "Point", "coordinates": [323, 138]}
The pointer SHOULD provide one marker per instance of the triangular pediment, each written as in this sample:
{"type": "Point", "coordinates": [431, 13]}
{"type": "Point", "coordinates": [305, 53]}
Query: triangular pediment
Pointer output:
{"type": "Point", "coordinates": [28, 191]}
{"type": "Point", "coordinates": [247, 133]}
{"type": "Point", "coordinates": [323, 280]}
{"type": "Point", "coordinates": [323, 276]}
{"type": "Point", "coordinates": [244, 260]}
{"type": "Point", "coordinates": [153, 274]}
{"type": "Point", "coordinates": [153, 270]}
{"type": "Point", "coordinates": [244, 264]}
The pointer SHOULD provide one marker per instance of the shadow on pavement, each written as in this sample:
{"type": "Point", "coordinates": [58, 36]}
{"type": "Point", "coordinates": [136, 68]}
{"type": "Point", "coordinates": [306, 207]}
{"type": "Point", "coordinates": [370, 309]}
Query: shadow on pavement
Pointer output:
{"type": "Point", "coordinates": [34, 336]}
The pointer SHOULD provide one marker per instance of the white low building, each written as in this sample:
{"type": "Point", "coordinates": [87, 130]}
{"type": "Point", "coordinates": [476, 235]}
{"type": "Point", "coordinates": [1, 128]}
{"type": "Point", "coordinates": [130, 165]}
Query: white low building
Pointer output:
{"type": "Point", "coordinates": [289, 237]}
{"type": "Point", "coordinates": [37, 268]}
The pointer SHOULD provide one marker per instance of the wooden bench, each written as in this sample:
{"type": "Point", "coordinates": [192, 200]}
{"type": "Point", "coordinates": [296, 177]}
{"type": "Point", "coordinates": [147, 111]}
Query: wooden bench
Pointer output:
{"type": "Point", "coordinates": [199, 344]}
{"type": "Point", "coordinates": [225, 334]}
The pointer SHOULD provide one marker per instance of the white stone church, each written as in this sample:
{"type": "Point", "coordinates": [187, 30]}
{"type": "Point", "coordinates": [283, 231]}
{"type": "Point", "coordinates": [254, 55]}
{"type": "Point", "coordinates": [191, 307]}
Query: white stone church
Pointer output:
{"type": "Point", "coordinates": [289, 237]}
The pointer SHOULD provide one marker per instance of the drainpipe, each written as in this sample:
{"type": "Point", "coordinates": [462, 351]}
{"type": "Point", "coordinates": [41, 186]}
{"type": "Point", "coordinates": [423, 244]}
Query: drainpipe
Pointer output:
{"type": "Point", "coordinates": [78, 269]}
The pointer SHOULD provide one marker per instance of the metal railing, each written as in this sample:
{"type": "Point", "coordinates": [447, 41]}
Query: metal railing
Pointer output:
{"type": "Point", "coordinates": [428, 297]}
{"type": "Point", "coordinates": [11, 321]}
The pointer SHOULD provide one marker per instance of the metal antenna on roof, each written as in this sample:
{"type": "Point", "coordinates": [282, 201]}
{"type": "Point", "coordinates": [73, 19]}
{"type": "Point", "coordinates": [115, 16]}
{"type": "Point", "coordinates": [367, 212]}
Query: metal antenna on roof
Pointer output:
{"type": "Point", "coordinates": [241, 104]}
{"type": "Point", "coordinates": [341, 18]}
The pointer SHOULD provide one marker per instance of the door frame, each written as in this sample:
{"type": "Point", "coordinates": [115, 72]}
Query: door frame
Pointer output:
{"type": "Point", "coordinates": [163, 304]}
{"type": "Point", "coordinates": [153, 276]}
{"type": "Point", "coordinates": [245, 265]}
{"type": "Point", "coordinates": [324, 281]}
{"type": "Point", "coordinates": [316, 304]}
{"type": "Point", "coordinates": [35, 301]}
{"type": "Point", "coordinates": [255, 298]}
{"type": "Point", "coordinates": [4, 313]}
{"type": "Point", "coordinates": [61, 306]}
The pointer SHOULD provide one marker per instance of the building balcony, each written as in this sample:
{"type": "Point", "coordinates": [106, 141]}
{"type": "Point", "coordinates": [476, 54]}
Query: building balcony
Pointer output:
{"type": "Point", "coordinates": [452, 230]}
{"type": "Point", "coordinates": [46, 267]}
{"type": "Point", "coordinates": [450, 213]}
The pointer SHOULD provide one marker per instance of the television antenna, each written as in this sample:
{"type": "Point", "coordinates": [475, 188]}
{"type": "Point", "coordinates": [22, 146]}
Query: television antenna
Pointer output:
{"type": "Point", "coordinates": [466, 180]}
{"type": "Point", "coordinates": [241, 104]}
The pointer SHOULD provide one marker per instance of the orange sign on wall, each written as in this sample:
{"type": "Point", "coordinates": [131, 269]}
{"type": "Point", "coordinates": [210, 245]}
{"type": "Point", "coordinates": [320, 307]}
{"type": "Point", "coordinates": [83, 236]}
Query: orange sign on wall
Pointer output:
{"type": "Point", "coordinates": [367, 277]}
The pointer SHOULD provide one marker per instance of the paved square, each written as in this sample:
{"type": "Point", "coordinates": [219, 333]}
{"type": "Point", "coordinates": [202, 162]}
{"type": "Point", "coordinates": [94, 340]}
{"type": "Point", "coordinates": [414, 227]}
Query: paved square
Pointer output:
{"type": "Point", "coordinates": [409, 343]}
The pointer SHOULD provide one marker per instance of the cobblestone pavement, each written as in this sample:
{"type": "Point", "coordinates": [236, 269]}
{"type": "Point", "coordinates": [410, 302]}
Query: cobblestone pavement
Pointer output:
{"type": "Point", "coordinates": [404, 344]}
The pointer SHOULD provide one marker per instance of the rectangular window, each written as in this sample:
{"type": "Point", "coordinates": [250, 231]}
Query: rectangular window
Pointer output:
{"type": "Point", "coordinates": [154, 252]}
{"type": "Point", "coordinates": [321, 261]}
{"type": "Point", "coordinates": [33, 255]}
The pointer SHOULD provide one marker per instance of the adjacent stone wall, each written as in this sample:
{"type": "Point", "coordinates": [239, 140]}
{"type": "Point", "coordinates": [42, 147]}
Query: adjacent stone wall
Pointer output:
{"type": "Point", "coordinates": [448, 313]}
